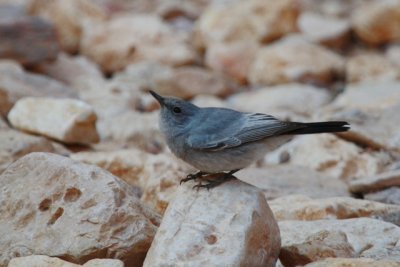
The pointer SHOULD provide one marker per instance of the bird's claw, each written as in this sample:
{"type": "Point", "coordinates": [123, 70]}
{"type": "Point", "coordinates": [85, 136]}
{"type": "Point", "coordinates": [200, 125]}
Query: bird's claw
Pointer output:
{"type": "Point", "coordinates": [191, 177]}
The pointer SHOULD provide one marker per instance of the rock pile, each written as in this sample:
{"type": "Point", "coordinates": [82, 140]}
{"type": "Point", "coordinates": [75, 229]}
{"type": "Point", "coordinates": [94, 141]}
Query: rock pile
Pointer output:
{"type": "Point", "coordinates": [86, 178]}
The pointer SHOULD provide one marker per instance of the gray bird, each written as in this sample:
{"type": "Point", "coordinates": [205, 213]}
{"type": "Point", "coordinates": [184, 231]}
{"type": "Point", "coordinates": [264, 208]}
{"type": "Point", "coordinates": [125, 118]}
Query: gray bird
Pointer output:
{"type": "Point", "coordinates": [222, 141]}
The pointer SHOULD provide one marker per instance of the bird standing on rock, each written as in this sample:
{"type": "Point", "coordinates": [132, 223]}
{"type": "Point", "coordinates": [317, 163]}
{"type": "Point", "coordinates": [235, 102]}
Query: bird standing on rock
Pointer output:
{"type": "Point", "coordinates": [221, 141]}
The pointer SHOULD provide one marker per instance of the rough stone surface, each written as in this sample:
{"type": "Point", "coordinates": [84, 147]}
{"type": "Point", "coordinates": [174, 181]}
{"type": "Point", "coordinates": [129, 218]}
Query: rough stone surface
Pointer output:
{"type": "Point", "coordinates": [369, 95]}
{"type": "Point", "coordinates": [126, 164]}
{"type": "Point", "coordinates": [55, 206]}
{"type": "Point", "coordinates": [14, 144]}
{"type": "Point", "coordinates": [378, 22]}
{"type": "Point", "coordinates": [329, 31]}
{"type": "Point", "coordinates": [330, 155]}
{"type": "Point", "coordinates": [46, 261]}
{"type": "Point", "coordinates": [376, 182]}
{"type": "Point", "coordinates": [253, 21]}
{"type": "Point", "coordinates": [232, 221]}
{"type": "Point", "coordinates": [15, 83]}
{"type": "Point", "coordinates": [144, 133]}
{"type": "Point", "coordinates": [282, 180]}
{"type": "Point", "coordinates": [66, 120]}
{"type": "Point", "coordinates": [182, 82]}
{"type": "Point", "coordinates": [307, 241]}
{"type": "Point", "coordinates": [231, 59]}
{"type": "Point", "coordinates": [72, 70]}
{"type": "Point", "coordinates": [69, 18]}
{"type": "Point", "coordinates": [358, 262]}
{"type": "Point", "coordinates": [295, 60]}
{"type": "Point", "coordinates": [161, 177]}
{"type": "Point", "coordinates": [140, 37]}
{"type": "Point", "coordinates": [299, 207]}
{"type": "Point", "coordinates": [377, 129]}
{"type": "Point", "coordinates": [370, 66]}
{"type": "Point", "coordinates": [291, 101]}
{"type": "Point", "coordinates": [25, 29]}
{"type": "Point", "coordinates": [390, 195]}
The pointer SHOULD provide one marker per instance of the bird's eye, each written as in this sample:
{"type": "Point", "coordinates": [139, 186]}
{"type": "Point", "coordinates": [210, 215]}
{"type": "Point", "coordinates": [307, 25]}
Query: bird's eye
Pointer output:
{"type": "Point", "coordinates": [177, 110]}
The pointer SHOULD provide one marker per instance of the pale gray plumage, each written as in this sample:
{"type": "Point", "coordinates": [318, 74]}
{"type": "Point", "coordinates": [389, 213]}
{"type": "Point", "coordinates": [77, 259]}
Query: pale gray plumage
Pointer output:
{"type": "Point", "coordinates": [219, 139]}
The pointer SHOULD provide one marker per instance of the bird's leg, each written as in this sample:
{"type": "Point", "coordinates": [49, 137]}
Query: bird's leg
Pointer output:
{"type": "Point", "coordinates": [213, 183]}
{"type": "Point", "coordinates": [192, 176]}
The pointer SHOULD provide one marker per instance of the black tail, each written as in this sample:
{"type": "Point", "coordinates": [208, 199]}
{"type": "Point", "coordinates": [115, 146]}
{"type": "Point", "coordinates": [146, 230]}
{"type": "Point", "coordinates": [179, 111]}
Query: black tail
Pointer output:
{"type": "Point", "coordinates": [321, 127]}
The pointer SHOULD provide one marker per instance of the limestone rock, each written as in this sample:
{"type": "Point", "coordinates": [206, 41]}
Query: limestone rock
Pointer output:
{"type": "Point", "coordinates": [390, 195]}
{"type": "Point", "coordinates": [370, 66]}
{"type": "Point", "coordinates": [230, 225]}
{"type": "Point", "coordinates": [369, 95]}
{"type": "Point", "coordinates": [15, 83]}
{"type": "Point", "coordinates": [3, 124]}
{"type": "Point", "coordinates": [299, 207]}
{"type": "Point", "coordinates": [307, 241]}
{"type": "Point", "coordinates": [393, 53]}
{"type": "Point", "coordinates": [377, 22]}
{"type": "Point", "coordinates": [182, 82]}
{"type": "Point", "coordinates": [209, 101]}
{"type": "Point", "coordinates": [126, 164]}
{"type": "Point", "coordinates": [46, 261]}
{"type": "Point", "coordinates": [157, 176]}
{"type": "Point", "coordinates": [282, 180]}
{"type": "Point", "coordinates": [144, 133]}
{"type": "Point", "coordinates": [140, 37]}
{"type": "Point", "coordinates": [161, 176]}
{"type": "Point", "coordinates": [55, 206]}
{"type": "Point", "coordinates": [14, 144]}
{"type": "Point", "coordinates": [336, 9]}
{"type": "Point", "coordinates": [231, 59]}
{"type": "Point", "coordinates": [357, 262]}
{"type": "Point", "coordinates": [376, 182]}
{"type": "Point", "coordinates": [188, 82]}
{"type": "Point", "coordinates": [39, 34]}
{"type": "Point", "coordinates": [289, 101]}
{"type": "Point", "coordinates": [72, 70]}
{"type": "Point", "coordinates": [252, 21]}
{"type": "Point", "coordinates": [68, 17]}
{"type": "Point", "coordinates": [376, 128]}
{"type": "Point", "coordinates": [66, 120]}
{"type": "Point", "coordinates": [332, 156]}
{"type": "Point", "coordinates": [295, 60]}
{"type": "Point", "coordinates": [329, 31]}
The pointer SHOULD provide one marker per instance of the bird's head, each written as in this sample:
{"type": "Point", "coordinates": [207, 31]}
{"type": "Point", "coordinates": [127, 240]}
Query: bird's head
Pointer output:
{"type": "Point", "coordinates": [175, 113]}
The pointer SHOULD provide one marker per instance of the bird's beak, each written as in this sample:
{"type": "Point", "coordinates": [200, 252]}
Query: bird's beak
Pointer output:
{"type": "Point", "coordinates": [159, 98]}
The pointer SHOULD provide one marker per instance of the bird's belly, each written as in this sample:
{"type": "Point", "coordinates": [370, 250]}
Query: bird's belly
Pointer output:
{"type": "Point", "coordinates": [232, 158]}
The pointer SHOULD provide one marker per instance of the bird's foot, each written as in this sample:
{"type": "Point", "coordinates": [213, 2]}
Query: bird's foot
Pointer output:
{"type": "Point", "coordinates": [211, 183]}
{"type": "Point", "coordinates": [192, 176]}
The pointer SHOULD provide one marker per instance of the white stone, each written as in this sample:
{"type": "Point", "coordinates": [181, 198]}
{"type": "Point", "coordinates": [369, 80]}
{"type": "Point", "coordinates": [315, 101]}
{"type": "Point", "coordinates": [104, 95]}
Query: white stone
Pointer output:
{"type": "Point", "coordinates": [229, 225]}
{"type": "Point", "coordinates": [66, 120]}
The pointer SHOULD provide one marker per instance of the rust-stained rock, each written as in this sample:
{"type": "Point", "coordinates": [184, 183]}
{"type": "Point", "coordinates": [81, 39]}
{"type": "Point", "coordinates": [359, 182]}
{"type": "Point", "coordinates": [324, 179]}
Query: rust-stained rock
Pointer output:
{"type": "Point", "coordinates": [377, 22]}
{"type": "Point", "coordinates": [300, 207]}
{"type": "Point", "coordinates": [307, 241]}
{"type": "Point", "coordinates": [15, 144]}
{"type": "Point", "coordinates": [55, 206]}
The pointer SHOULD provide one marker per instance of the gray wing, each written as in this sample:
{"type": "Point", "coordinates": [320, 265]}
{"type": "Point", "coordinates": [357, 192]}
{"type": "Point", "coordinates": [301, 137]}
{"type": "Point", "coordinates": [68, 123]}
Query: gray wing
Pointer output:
{"type": "Point", "coordinates": [250, 127]}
